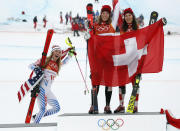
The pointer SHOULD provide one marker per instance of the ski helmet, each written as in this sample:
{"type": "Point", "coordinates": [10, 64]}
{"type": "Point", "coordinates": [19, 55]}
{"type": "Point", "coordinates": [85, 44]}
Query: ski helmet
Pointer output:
{"type": "Point", "coordinates": [56, 47]}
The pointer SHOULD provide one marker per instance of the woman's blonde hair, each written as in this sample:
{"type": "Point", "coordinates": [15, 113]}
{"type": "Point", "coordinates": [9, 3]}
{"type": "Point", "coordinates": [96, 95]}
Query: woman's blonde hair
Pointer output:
{"type": "Point", "coordinates": [58, 62]}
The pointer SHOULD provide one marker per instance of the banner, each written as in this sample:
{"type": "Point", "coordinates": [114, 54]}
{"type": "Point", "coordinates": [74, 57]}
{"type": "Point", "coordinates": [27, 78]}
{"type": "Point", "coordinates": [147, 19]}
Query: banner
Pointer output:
{"type": "Point", "coordinates": [115, 60]}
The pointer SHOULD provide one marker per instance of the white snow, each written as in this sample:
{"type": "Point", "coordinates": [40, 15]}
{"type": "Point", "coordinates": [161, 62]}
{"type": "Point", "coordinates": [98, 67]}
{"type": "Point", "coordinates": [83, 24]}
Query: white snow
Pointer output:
{"type": "Point", "coordinates": [20, 45]}
{"type": "Point", "coordinates": [13, 8]}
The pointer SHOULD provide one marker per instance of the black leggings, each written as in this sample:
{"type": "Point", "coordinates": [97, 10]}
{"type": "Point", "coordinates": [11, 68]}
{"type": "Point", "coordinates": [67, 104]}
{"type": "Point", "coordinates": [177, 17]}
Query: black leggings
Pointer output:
{"type": "Point", "coordinates": [108, 94]}
{"type": "Point", "coordinates": [123, 89]}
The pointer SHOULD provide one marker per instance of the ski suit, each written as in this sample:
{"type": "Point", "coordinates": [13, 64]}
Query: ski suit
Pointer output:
{"type": "Point", "coordinates": [45, 95]}
{"type": "Point", "coordinates": [106, 29]}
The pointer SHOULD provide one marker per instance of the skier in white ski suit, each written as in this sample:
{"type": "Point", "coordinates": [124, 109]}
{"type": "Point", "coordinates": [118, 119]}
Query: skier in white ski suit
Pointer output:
{"type": "Point", "coordinates": [51, 69]}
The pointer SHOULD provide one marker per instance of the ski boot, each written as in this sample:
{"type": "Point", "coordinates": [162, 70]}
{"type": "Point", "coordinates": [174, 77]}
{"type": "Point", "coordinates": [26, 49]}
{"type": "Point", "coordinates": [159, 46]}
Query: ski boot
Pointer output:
{"type": "Point", "coordinates": [135, 109]}
{"type": "Point", "coordinates": [107, 110]}
{"type": "Point", "coordinates": [120, 109]}
{"type": "Point", "coordinates": [93, 110]}
{"type": "Point", "coordinates": [33, 117]}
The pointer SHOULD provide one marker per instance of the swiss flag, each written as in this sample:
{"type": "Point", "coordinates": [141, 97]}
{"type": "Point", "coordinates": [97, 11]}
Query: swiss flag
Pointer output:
{"type": "Point", "coordinates": [115, 60]}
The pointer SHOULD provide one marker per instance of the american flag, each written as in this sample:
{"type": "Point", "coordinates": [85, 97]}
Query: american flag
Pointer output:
{"type": "Point", "coordinates": [30, 83]}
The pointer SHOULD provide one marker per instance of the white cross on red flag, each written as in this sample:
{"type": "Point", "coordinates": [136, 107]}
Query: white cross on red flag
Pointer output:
{"type": "Point", "coordinates": [115, 60]}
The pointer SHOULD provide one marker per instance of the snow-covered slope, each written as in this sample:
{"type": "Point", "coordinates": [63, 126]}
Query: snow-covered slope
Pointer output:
{"type": "Point", "coordinates": [13, 8]}
{"type": "Point", "coordinates": [20, 45]}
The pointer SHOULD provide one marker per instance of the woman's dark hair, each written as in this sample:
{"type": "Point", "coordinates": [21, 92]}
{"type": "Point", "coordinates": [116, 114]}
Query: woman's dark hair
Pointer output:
{"type": "Point", "coordinates": [107, 22]}
{"type": "Point", "coordinates": [134, 24]}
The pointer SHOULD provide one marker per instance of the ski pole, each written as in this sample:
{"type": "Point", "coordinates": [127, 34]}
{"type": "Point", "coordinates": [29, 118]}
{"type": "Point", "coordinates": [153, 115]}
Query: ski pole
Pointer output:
{"type": "Point", "coordinates": [86, 61]}
{"type": "Point", "coordinates": [69, 43]}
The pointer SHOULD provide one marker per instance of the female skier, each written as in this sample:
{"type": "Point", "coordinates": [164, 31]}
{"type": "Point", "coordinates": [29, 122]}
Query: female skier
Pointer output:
{"type": "Point", "coordinates": [105, 24]}
{"type": "Point", "coordinates": [129, 24]}
{"type": "Point", "coordinates": [51, 69]}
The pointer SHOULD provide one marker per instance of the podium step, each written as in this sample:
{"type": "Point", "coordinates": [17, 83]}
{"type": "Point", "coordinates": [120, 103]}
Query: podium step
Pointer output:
{"type": "Point", "coordinates": [29, 127]}
{"type": "Point", "coordinates": [142, 121]}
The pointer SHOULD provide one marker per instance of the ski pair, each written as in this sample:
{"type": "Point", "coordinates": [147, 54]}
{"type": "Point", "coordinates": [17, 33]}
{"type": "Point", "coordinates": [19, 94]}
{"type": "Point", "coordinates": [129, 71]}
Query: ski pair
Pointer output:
{"type": "Point", "coordinates": [89, 23]}
{"type": "Point", "coordinates": [35, 91]}
{"type": "Point", "coordinates": [130, 108]}
{"type": "Point", "coordinates": [88, 26]}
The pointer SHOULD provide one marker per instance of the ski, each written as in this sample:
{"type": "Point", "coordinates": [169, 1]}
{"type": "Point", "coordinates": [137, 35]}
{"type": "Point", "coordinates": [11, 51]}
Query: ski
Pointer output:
{"type": "Point", "coordinates": [153, 17]}
{"type": "Point", "coordinates": [88, 27]}
{"type": "Point", "coordinates": [35, 91]}
{"type": "Point", "coordinates": [130, 108]}
{"type": "Point", "coordinates": [94, 100]}
{"type": "Point", "coordinates": [89, 22]}
{"type": "Point", "coordinates": [89, 8]}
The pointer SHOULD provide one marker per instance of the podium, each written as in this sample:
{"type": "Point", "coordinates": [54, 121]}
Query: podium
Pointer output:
{"type": "Point", "coordinates": [142, 121]}
{"type": "Point", "coordinates": [29, 127]}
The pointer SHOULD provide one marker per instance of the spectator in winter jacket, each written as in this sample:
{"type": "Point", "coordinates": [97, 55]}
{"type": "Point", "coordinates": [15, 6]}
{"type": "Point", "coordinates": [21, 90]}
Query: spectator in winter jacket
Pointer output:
{"type": "Point", "coordinates": [140, 20]}
{"type": "Point", "coordinates": [77, 17]}
{"type": "Point", "coordinates": [70, 16]}
{"type": "Point", "coordinates": [96, 15]}
{"type": "Point", "coordinates": [61, 18]}
{"type": "Point", "coordinates": [44, 21]}
{"type": "Point", "coordinates": [67, 17]}
{"type": "Point", "coordinates": [75, 28]}
{"type": "Point", "coordinates": [35, 22]}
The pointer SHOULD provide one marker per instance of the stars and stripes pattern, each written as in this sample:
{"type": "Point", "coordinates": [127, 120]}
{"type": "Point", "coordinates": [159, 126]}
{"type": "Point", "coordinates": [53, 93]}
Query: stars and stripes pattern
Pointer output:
{"type": "Point", "coordinates": [30, 83]}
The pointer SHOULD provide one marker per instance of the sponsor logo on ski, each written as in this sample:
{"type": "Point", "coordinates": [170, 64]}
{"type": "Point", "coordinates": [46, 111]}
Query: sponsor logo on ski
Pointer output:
{"type": "Point", "coordinates": [110, 124]}
{"type": "Point", "coordinates": [131, 104]}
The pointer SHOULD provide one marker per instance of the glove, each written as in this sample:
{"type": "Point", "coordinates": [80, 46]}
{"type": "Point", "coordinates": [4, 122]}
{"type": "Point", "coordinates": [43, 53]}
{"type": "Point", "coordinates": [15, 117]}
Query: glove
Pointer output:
{"type": "Point", "coordinates": [86, 24]}
{"type": "Point", "coordinates": [72, 51]}
{"type": "Point", "coordinates": [87, 36]}
{"type": "Point", "coordinates": [164, 21]}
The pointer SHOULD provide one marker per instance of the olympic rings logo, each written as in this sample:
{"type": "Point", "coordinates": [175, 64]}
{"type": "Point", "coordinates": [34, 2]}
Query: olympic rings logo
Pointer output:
{"type": "Point", "coordinates": [103, 28]}
{"type": "Point", "coordinates": [110, 124]}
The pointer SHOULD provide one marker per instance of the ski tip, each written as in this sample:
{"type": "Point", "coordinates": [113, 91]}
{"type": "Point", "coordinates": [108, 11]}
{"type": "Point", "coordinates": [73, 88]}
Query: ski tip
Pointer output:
{"type": "Point", "coordinates": [129, 111]}
{"type": "Point", "coordinates": [164, 20]}
{"type": "Point", "coordinates": [51, 31]}
{"type": "Point", "coordinates": [154, 14]}
{"type": "Point", "coordinates": [89, 4]}
{"type": "Point", "coordinates": [69, 40]}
